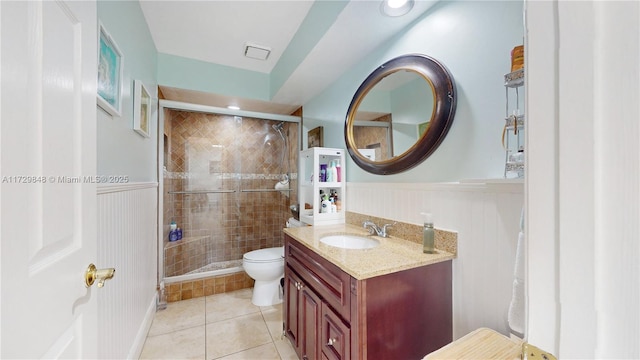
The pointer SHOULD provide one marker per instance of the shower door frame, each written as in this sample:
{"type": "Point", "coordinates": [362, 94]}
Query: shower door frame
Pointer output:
{"type": "Point", "coordinates": [164, 105]}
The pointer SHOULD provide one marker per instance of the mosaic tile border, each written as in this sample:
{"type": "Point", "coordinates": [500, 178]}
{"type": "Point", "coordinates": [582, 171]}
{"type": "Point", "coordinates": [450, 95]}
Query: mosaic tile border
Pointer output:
{"type": "Point", "coordinates": [225, 176]}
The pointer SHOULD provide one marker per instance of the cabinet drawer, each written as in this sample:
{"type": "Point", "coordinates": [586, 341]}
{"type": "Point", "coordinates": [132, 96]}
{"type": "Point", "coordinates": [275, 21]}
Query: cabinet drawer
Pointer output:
{"type": "Point", "coordinates": [331, 283]}
{"type": "Point", "coordinates": [335, 336]}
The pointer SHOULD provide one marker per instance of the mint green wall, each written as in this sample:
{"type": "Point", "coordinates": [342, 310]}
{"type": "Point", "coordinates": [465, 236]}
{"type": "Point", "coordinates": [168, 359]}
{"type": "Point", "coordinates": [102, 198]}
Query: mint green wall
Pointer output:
{"type": "Point", "coordinates": [185, 73]}
{"type": "Point", "coordinates": [473, 39]}
{"type": "Point", "coordinates": [121, 151]}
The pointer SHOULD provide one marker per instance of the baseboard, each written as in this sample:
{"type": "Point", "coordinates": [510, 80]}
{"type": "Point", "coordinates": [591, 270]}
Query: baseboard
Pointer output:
{"type": "Point", "coordinates": [141, 337]}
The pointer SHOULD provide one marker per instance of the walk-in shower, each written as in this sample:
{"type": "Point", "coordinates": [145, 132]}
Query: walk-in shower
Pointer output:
{"type": "Point", "coordinates": [223, 185]}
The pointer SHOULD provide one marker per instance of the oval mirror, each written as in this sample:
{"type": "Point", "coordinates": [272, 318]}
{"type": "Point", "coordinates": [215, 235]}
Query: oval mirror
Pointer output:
{"type": "Point", "coordinates": [400, 114]}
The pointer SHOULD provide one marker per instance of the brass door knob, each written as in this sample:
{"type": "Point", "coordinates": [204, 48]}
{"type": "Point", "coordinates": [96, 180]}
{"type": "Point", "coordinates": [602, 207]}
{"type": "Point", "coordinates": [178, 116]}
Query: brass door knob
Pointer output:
{"type": "Point", "coordinates": [92, 274]}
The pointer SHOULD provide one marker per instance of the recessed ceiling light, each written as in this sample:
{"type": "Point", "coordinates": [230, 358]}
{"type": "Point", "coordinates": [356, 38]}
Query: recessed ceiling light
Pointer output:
{"type": "Point", "coordinates": [233, 107]}
{"type": "Point", "coordinates": [396, 7]}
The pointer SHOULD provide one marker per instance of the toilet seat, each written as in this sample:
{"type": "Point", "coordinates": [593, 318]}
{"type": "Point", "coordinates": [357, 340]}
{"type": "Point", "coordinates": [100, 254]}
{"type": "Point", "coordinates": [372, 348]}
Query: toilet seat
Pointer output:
{"type": "Point", "coordinates": [268, 255]}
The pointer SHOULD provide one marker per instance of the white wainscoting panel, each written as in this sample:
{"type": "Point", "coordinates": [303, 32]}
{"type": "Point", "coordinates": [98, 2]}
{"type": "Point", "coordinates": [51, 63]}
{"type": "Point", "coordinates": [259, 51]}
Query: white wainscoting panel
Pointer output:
{"type": "Point", "coordinates": [127, 241]}
{"type": "Point", "coordinates": [486, 216]}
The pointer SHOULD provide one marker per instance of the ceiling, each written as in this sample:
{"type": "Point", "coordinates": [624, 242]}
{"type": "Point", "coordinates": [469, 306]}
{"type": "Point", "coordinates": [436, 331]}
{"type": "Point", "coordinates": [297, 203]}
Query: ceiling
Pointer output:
{"type": "Point", "coordinates": [325, 43]}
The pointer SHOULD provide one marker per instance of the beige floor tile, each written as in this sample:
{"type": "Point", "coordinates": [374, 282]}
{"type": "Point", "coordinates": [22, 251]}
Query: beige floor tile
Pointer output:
{"type": "Point", "coordinates": [273, 317]}
{"type": "Point", "coordinates": [179, 315]}
{"type": "Point", "coordinates": [230, 336]}
{"type": "Point", "coordinates": [182, 344]}
{"type": "Point", "coordinates": [285, 349]}
{"type": "Point", "coordinates": [263, 352]}
{"type": "Point", "coordinates": [229, 305]}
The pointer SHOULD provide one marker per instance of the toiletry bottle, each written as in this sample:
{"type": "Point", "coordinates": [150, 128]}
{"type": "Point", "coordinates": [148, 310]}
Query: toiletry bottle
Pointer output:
{"type": "Point", "coordinates": [179, 233]}
{"type": "Point", "coordinates": [334, 208]}
{"type": "Point", "coordinates": [330, 172]}
{"type": "Point", "coordinates": [173, 231]}
{"type": "Point", "coordinates": [428, 235]}
{"type": "Point", "coordinates": [334, 171]}
{"type": "Point", "coordinates": [323, 172]}
{"type": "Point", "coordinates": [325, 206]}
{"type": "Point", "coordinates": [338, 171]}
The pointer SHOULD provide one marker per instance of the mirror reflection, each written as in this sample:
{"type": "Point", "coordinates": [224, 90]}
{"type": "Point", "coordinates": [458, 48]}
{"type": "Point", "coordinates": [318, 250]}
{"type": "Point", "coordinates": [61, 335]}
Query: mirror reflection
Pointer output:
{"type": "Point", "coordinates": [393, 115]}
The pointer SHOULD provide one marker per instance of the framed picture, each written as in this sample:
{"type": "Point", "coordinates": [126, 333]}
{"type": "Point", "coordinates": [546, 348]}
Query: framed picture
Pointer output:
{"type": "Point", "coordinates": [315, 138]}
{"type": "Point", "coordinates": [109, 73]}
{"type": "Point", "coordinates": [141, 108]}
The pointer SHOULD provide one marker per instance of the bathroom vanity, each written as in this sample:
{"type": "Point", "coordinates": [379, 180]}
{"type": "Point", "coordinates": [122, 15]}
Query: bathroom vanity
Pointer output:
{"type": "Point", "coordinates": [387, 302]}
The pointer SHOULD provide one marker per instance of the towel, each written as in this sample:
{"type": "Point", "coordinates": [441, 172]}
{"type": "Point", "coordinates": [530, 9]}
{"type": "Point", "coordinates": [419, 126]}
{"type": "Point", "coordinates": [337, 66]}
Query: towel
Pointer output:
{"type": "Point", "coordinates": [518, 269]}
{"type": "Point", "coordinates": [283, 186]}
{"type": "Point", "coordinates": [516, 307]}
{"type": "Point", "coordinates": [515, 316]}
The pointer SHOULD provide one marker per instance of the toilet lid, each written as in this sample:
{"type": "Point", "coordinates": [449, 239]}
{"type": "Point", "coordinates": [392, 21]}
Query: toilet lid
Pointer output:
{"type": "Point", "coordinates": [265, 255]}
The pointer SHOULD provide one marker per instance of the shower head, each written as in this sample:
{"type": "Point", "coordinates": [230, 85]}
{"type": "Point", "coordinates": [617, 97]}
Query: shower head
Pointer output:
{"type": "Point", "coordinates": [278, 127]}
{"type": "Point", "coordinates": [285, 178]}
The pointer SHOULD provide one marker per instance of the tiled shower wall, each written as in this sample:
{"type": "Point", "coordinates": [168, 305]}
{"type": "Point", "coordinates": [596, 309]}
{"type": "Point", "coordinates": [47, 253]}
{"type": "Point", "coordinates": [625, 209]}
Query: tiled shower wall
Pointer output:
{"type": "Point", "coordinates": [230, 156]}
{"type": "Point", "coordinates": [376, 138]}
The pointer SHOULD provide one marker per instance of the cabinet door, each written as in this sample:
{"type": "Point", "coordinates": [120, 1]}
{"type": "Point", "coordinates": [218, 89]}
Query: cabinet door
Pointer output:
{"type": "Point", "coordinates": [303, 309]}
{"type": "Point", "coordinates": [310, 310]}
{"type": "Point", "coordinates": [335, 336]}
{"type": "Point", "coordinates": [291, 284]}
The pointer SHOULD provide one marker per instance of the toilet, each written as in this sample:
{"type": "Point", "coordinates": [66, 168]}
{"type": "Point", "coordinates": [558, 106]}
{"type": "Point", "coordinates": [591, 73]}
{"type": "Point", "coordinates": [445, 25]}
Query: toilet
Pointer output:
{"type": "Point", "coordinates": [266, 267]}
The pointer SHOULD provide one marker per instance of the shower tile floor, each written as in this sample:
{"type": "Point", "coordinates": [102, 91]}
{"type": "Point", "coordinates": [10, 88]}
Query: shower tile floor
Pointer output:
{"type": "Point", "coordinates": [221, 326]}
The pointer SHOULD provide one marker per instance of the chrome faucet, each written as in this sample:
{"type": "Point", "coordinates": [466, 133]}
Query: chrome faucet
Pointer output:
{"type": "Point", "coordinates": [375, 229]}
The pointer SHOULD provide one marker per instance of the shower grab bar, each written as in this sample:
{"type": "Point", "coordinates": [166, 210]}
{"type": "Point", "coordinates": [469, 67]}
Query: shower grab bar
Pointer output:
{"type": "Point", "coordinates": [264, 190]}
{"type": "Point", "coordinates": [201, 192]}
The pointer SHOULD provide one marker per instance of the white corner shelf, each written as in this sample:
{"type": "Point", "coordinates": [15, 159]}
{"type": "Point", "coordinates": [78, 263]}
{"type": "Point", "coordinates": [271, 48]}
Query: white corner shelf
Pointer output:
{"type": "Point", "coordinates": [310, 186]}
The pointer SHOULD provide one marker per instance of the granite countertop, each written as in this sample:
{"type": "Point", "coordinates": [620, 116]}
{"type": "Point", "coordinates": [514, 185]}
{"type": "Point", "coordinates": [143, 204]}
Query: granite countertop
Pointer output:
{"type": "Point", "coordinates": [392, 255]}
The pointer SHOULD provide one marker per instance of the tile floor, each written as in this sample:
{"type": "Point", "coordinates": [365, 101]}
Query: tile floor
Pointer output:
{"type": "Point", "coordinates": [221, 326]}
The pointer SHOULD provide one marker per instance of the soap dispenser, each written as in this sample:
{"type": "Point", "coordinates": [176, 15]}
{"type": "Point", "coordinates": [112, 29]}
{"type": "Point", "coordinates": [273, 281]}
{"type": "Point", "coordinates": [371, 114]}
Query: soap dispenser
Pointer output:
{"type": "Point", "coordinates": [428, 234]}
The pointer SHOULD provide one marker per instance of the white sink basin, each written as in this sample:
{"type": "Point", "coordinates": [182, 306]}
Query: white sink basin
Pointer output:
{"type": "Point", "coordinates": [347, 241]}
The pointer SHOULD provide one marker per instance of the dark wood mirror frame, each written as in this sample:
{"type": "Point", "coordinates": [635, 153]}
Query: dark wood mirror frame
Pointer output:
{"type": "Point", "coordinates": [444, 90]}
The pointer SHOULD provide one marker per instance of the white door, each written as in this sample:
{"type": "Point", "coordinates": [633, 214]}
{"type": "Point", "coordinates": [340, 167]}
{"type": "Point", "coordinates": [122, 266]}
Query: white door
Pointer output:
{"type": "Point", "coordinates": [48, 214]}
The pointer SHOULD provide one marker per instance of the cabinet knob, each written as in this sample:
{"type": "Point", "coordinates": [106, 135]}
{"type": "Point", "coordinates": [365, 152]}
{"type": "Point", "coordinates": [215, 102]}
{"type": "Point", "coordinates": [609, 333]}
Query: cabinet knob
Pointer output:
{"type": "Point", "coordinates": [331, 341]}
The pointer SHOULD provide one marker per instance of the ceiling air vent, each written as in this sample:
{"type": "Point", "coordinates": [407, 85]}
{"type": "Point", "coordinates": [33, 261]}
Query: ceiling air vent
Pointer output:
{"type": "Point", "coordinates": [256, 51]}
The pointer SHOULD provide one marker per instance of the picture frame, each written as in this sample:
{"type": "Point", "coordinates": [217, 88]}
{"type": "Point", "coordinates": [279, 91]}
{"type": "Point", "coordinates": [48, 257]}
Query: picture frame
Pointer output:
{"type": "Point", "coordinates": [315, 137]}
{"type": "Point", "coordinates": [141, 108]}
{"type": "Point", "coordinates": [110, 66]}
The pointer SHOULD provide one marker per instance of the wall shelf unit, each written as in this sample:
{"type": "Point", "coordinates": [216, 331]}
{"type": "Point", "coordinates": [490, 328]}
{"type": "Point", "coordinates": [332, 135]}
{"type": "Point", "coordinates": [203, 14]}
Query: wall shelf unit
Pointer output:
{"type": "Point", "coordinates": [311, 186]}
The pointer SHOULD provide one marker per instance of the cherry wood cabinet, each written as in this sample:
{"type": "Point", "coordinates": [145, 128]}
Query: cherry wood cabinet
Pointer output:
{"type": "Point", "coordinates": [303, 311]}
{"type": "Point", "coordinates": [331, 315]}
